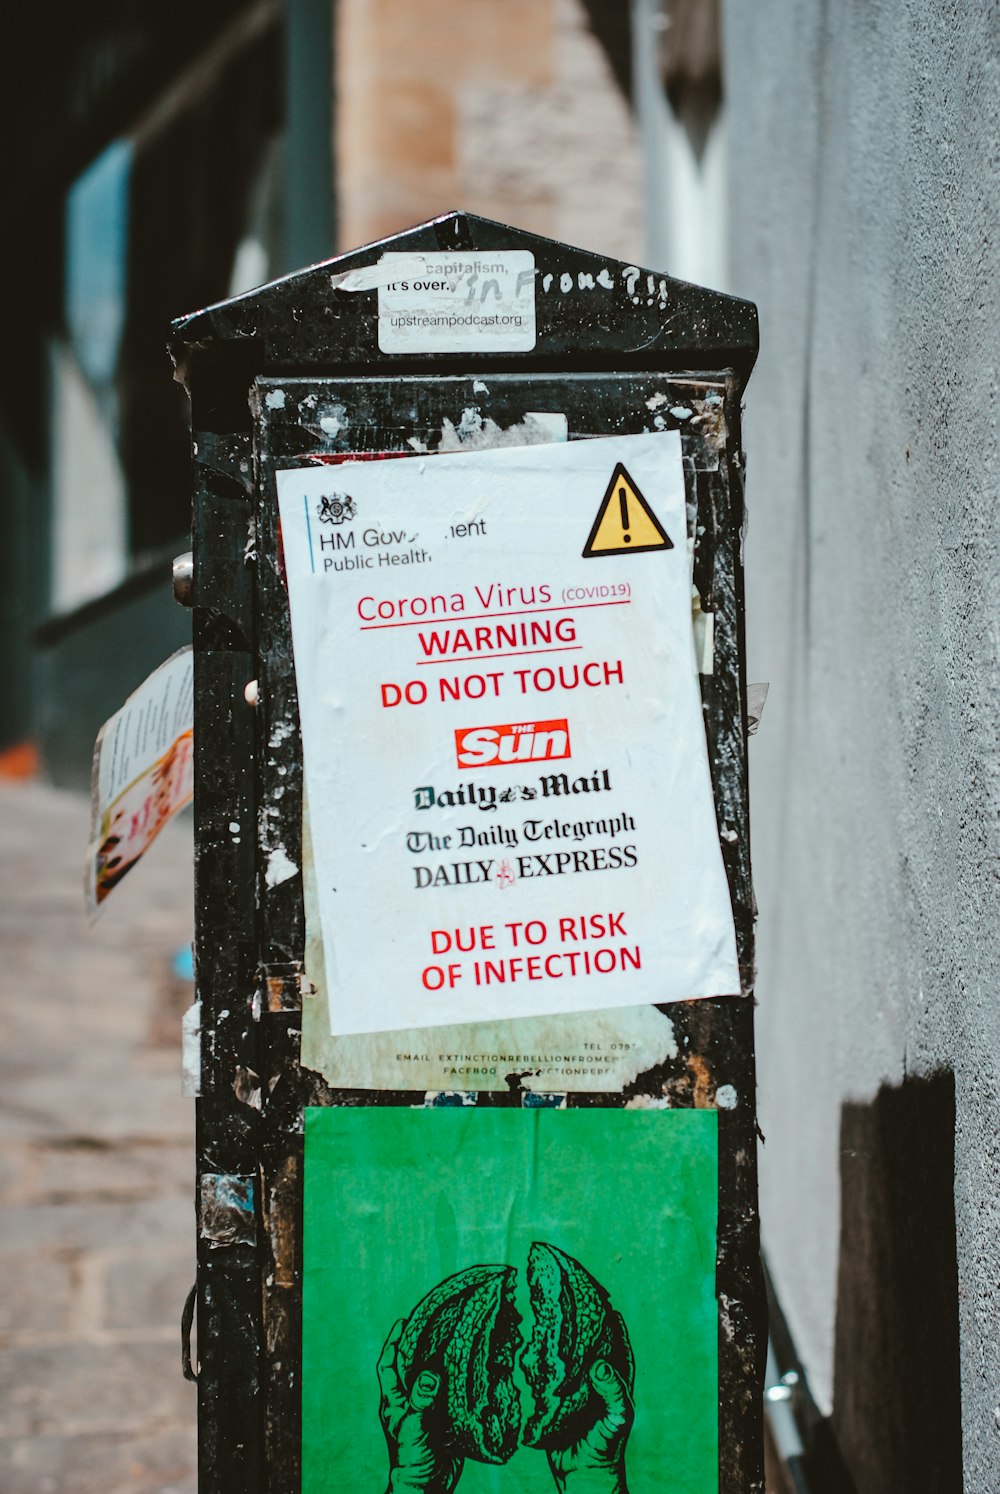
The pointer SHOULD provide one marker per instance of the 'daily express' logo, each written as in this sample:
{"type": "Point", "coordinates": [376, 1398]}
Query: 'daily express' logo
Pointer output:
{"type": "Point", "coordinates": [519, 742]}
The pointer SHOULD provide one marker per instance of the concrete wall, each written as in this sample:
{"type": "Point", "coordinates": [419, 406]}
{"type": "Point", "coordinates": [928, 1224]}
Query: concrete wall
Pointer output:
{"type": "Point", "coordinates": [864, 175]}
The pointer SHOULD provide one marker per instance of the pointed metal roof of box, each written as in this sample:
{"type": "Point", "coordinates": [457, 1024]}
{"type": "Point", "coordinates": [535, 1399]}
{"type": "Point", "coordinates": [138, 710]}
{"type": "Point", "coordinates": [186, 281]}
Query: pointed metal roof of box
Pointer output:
{"type": "Point", "coordinates": [592, 312]}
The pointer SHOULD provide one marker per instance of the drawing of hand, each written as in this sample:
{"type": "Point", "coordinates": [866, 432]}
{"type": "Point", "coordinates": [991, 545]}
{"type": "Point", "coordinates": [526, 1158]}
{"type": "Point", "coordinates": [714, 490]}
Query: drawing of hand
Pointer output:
{"type": "Point", "coordinates": [422, 1456]}
{"type": "Point", "coordinates": [595, 1463]}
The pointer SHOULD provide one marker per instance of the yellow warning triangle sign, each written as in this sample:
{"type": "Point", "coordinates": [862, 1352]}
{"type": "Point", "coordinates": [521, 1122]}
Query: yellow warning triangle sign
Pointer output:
{"type": "Point", "coordinates": [625, 523]}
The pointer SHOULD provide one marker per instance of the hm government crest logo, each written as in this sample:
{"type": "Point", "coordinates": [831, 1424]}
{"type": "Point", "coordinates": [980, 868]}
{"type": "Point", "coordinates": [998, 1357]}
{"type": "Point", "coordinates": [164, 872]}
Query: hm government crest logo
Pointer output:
{"type": "Point", "coordinates": [336, 508]}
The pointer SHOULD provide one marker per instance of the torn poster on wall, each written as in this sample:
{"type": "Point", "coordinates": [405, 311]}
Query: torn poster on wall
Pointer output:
{"type": "Point", "coordinates": [536, 1310]}
{"type": "Point", "coordinates": [584, 1052]}
{"type": "Point", "coordinates": [510, 802]}
{"type": "Point", "coordinates": [142, 774]}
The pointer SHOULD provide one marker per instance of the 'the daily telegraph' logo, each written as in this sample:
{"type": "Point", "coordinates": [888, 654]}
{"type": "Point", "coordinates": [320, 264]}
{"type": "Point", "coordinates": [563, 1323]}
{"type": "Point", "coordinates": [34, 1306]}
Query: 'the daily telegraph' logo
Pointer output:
{"type": "Point", "coordinates": [520, 742]}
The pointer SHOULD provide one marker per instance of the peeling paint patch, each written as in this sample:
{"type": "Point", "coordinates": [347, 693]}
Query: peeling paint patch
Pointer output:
{"type": "Point", "coordinates": [703, 624]}
{"type": "Point", "coordinates": [280, 1195]}
{"type": "Point", "coordinates": [437, 1099]}
{"type": "Point", "coordinates": [695, 1087]}
{"type": "Point", "coordinates": [710, 418]}
{"type": "Point", "coordinates": [280, 733]}
{"type": "Point", "coordinates": [246, 1087]}
{"type": "Point", "coordinates": [279, 867]}
{"type": "Point", "coordinates": [286, 989]}
{"type": "Point", "coordinates": [704, 1083]}
{"type": "Point", "coordinates": [474, 433]}
{"type": "Point", "coordinates": [191, 1052]}
{"type": "Point", "coordinates": [726, 1097]}
{"type": "Point", "coordinates": [275, 399]}
{"type": "Point", "coordinates": [226, 1210]}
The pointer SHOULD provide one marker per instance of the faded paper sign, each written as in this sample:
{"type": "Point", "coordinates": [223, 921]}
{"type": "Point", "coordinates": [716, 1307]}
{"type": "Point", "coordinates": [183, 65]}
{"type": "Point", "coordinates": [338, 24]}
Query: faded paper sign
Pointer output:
{"type": "Point", "coordinates": [509, 793]}
{"type": "Point", "coordinates": [536, 1310]}
{"type": "Point", "coordinates": [142, 774]}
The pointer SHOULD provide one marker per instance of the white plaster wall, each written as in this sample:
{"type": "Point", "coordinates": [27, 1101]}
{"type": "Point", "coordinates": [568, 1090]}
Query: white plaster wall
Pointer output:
{"type": "Point", "coordinates": [686, 197]}
{"type": "Point", "coordinates": [89, 500]}
{"type": "Point", "coordinates": [864, 220]}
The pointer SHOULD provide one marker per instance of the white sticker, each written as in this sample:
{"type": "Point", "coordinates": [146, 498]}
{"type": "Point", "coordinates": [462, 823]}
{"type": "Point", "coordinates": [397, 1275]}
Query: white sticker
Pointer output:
{"type": "Point", "coordinates": [510, 804]}
{"type": "Point", "coordinates": [457, 302]}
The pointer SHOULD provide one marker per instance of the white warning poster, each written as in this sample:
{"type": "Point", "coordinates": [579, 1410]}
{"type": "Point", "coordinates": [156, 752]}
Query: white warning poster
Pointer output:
{"type": "Point", "coordinates": [509, 794]}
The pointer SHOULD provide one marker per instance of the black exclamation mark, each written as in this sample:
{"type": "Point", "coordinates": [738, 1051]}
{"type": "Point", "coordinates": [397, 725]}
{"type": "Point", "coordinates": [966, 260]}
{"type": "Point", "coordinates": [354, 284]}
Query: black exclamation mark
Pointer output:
{"type": "Point", "coordinates": [623, 501]}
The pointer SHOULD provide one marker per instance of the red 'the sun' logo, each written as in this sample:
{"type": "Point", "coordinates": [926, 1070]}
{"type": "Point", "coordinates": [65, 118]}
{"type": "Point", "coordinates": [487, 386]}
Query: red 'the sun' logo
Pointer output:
{"type": "Point", "coordinates": [518, 742]}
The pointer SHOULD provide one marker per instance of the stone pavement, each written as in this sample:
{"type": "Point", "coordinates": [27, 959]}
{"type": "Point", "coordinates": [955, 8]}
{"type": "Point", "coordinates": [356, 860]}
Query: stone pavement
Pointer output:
{"type": "Point", "coordinates": [97, 1224]}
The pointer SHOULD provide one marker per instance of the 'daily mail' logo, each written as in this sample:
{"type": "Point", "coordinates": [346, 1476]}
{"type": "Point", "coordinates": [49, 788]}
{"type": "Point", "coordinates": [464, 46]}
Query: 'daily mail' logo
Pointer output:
{"type": "Point", "coordinates": [519, 742]}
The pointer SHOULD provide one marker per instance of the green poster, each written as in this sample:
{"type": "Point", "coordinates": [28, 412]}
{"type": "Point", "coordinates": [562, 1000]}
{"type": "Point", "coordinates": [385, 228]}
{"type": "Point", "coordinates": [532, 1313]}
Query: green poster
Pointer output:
{"type": "Point", "coordinates": [510, 1300]}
